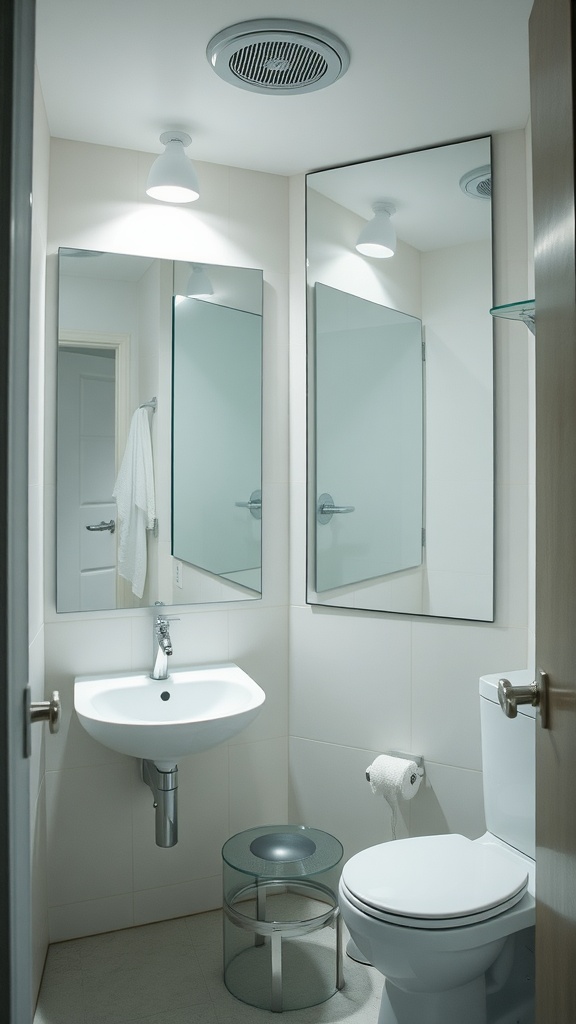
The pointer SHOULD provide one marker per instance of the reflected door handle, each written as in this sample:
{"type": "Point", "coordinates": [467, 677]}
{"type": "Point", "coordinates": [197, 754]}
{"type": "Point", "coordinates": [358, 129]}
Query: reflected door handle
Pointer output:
{"type": "Point", "coordinates": [102, 526]}
{"type": "Point", "coordinates": [325, 509]}
{"type": "Point", "coordinates": [254, 505]}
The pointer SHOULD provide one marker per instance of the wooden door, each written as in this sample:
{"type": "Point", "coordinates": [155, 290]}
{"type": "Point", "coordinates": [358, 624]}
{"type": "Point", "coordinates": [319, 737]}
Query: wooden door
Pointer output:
{"type": "Point", "coordinates": [552, 96]}
{"type": "Point", "coordinates": [16, 113]}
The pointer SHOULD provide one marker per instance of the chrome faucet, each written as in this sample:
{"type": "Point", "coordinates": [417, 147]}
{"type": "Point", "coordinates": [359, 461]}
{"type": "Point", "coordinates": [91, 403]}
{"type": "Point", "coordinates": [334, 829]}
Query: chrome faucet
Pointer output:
{"type": "Point", "coordinates": [162, 647]}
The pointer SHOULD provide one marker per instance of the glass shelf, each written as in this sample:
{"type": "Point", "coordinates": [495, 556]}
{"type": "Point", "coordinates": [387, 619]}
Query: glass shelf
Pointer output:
{"type": "Point", "coordinates": [523, 311]}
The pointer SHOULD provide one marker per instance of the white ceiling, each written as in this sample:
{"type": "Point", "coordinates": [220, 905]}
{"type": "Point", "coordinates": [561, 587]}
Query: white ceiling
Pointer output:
{"type": "Point", "coordinates": [422, 72]}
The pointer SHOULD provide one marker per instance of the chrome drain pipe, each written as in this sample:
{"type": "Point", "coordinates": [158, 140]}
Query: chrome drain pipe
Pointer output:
{"type": "Point", "coordinates": [164, 786]}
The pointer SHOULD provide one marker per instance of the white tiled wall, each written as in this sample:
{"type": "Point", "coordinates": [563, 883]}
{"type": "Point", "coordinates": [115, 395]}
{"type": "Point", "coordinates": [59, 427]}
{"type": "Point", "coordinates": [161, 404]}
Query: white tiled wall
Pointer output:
{"type": "Point", "coordinates": [104, 868]}
{"type": "Point", "coordinates": [361, 682]}
{"type": "Point", "coordinates": [365, 683]}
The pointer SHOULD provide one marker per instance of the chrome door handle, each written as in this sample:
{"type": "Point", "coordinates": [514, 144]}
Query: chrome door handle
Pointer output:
{"type": "Point", "coordinates": [535, 694]}
{"type": "Point", "coordinates": [103, 526]}
{"type": "Point", "coordinates": [254, 505]}
{"type": "Point", "coordinates": [39, 711]}
{"type": "Point", "coordinates": [47, 711]}
{"type": "Point", "coordinates": [325, 508]}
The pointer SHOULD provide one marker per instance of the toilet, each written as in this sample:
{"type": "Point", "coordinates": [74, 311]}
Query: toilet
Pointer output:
{"type": "Point", "coordinates": [447, 919]}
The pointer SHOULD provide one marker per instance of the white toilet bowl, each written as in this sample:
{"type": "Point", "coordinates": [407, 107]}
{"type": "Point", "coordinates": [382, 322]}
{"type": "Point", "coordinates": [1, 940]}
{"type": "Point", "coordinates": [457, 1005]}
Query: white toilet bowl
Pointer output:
{"type": "Point", "coordinates": [436, 916]}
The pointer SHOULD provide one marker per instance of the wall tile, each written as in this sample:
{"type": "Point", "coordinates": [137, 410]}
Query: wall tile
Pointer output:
{"type": "Point", "coordinates": [91, 917]}
{"type": "Point", "coordinates": [450, 800]}
{"type": "Point", "coordinates": [259, 645]}
{"type": "Point", "coordinates": [81, 647]}
{"type": "Point", "coordinates": [193, 897]}
{"type": "Point", "coordinates": [512, 566]}
{"type": "Point", "coordinates": [258, 789]}
{"type": "Point", "coordinates": [89, 834]}
{"type": "Point", "coordinates": [350, 678]}
{"type": "Point", "coordinates": [448, 660]}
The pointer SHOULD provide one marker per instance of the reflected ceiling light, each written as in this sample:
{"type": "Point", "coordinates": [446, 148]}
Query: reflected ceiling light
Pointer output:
{"type": "Point", "coordinates": [172, 177]}
{"type": "Point", "coordinates": [199, 283]}
{"type": "Point", "coordinates": [378, 238]}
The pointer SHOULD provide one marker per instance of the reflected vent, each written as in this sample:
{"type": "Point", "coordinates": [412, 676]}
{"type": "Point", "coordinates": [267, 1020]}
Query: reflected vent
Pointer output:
{"type": "Point", "coordinates": [277, 56]}
{"type": "Point", "coordinates": [478, 183]}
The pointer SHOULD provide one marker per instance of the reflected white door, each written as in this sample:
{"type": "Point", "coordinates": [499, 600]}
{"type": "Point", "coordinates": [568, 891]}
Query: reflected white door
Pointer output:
{"type": "Point", "coordinates": [369, 438]}
{"type": "Point", "coordinates": [86, 471]}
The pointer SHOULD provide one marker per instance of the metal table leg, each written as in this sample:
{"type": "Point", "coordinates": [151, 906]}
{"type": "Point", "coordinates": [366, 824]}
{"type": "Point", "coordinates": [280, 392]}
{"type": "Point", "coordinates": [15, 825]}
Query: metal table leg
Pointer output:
{"type": "Point", "coordinates": [339, 952]}
{"type": "Point", "coordinates": [259, 939]}
{"type": "Point", "coordinates": [276, 958]}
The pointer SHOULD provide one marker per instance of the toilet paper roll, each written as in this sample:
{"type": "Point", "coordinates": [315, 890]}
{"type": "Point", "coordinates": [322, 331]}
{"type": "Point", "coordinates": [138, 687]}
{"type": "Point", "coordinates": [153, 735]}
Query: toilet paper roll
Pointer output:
{"type": "Point", "coordinates": [394, 777]}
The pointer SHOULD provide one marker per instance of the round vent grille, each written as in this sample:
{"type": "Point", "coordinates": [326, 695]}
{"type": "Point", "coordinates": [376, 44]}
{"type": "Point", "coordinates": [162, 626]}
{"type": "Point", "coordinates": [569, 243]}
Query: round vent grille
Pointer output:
{"type": "Point", "coordinates": [478, 183]}
{"type": "Point", "coordinates": [278, 56]}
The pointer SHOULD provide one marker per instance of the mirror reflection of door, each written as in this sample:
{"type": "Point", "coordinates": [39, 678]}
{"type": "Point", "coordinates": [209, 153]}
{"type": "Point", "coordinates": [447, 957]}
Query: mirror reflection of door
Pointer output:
{"type": "Point", "coordinates": [369, 443]}
{"type": "Point", "coordinates": [86, 470]}
{"type": "Point", "coordinates": [216, 440]}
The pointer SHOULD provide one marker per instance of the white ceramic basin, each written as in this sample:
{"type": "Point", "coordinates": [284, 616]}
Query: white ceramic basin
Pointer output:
{"type": "Point", "coordinates": [163, 720]}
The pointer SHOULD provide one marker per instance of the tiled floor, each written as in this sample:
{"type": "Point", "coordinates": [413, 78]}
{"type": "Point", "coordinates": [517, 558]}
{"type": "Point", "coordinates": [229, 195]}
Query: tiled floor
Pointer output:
{"type": "Point", "coordinates": [171, 973]}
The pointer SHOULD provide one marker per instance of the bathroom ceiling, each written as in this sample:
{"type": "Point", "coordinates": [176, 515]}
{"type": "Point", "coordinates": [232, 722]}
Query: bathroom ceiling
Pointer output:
{"type": "Point", "coordinates": [422, 72]}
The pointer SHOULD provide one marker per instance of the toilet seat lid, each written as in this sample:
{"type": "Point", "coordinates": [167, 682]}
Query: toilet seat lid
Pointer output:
{"type": "Point", "coordinates": [436, 878]}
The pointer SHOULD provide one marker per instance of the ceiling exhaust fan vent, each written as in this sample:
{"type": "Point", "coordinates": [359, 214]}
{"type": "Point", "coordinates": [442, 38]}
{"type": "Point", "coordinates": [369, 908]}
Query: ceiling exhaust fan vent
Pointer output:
{"type": "Point", "coordinates": [478, 183]}
{"type": "Point", "coordinates": [278, 56]}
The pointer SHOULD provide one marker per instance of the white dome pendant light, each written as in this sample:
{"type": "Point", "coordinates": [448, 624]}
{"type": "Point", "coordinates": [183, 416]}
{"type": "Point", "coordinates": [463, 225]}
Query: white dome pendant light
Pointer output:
{"type": "Point", "coordinates": [172, 178]}
{"type": "Point", "coordinates": [378, 238]}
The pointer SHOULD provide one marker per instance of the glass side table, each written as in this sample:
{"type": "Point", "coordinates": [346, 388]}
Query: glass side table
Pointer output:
{"type": "Point", "coordinates": [280, 884]}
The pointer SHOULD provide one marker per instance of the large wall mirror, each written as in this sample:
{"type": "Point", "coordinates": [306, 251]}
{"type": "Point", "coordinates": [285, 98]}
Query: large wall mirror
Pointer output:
{"type": "Point", "coordinates": [159, 432]}
{"type": "Point", "coordinates": [400, 366]}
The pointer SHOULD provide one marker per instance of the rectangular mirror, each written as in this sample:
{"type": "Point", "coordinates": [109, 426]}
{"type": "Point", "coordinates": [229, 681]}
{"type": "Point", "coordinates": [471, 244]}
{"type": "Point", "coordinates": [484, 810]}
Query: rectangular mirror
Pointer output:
{"type": "Point", "coordinates": [400, 364]}
{"type": "Point", "coordinates": [172, 351]}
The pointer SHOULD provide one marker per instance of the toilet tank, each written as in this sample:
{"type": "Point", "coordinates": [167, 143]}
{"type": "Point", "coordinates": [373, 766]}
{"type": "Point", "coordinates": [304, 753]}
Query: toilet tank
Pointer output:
{"type": "Point", "coordinates": [509, 764]}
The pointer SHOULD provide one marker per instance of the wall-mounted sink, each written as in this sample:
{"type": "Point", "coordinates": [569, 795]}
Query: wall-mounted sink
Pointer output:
{"type": "Point", "coordinates": [163, 720]}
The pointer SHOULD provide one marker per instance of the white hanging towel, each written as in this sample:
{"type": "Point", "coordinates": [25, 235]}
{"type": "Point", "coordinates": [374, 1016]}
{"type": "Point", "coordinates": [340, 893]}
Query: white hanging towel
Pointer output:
{"type": "Point", "coordinates": [134, 493]}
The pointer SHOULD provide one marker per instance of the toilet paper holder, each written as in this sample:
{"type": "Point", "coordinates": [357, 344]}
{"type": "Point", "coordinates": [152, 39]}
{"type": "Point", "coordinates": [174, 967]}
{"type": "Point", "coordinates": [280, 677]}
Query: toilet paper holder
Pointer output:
{"type": "Point", "coordinates": [417, 758]}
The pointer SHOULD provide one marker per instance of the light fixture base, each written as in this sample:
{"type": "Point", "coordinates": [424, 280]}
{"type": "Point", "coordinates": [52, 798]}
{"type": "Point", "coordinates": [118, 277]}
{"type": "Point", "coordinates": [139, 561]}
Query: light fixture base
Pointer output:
{"type": "Point", "coordinates": [382, 206]}
{"type": "Point", "coordinates": [176, 136]}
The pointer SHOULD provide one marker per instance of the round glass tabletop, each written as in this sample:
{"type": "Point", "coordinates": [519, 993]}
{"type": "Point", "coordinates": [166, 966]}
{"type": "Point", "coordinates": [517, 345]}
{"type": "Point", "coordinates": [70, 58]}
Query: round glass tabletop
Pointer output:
{"type": "Point", "coordinates": [287, 851]}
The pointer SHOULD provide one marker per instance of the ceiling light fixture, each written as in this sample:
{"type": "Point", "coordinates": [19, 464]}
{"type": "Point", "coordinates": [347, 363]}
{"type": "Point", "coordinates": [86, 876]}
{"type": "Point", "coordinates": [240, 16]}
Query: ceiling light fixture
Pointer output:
{"type": "Point", "coordinates": [199, 283]}
{"type": "Point", "coordinates": [172, 177]}
{"type": "Point", "coordinates": [378, 238]}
